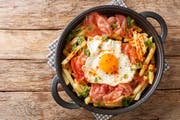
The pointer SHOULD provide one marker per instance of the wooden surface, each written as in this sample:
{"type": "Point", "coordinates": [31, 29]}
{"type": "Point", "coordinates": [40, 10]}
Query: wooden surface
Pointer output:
{"type": "Point", "coordinates": [28, 27]}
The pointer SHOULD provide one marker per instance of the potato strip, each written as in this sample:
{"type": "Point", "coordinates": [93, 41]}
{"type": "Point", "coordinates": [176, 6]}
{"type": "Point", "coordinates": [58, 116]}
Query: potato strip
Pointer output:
{"type": "Point", "coordinates": [68, 58]}
{"type": "Point", "coordinates": [77, 88]}
{"type": "Point", "coordinates": [140, 88]}
{"type": "Point", "coordinates": [138, 95]}
{"type": "Point", "coordinates": [138, 46]}
{"type": "Point", "coordinates": [73, 41]}
{"type": "Point", "coordinates": [142, 38]}
{"type": "Point", "coordinates": [69, 45]}
{"type": "Point", "coordinates": [65, 78]}
{"type": "Point", "coordinates": [68, 76]}
{"type": "Point", "coordinates": [151, 73]}
{"type": "Point", "coordinates": [147, 60]}
{"type": "Point", "coordinates": [87, 100]}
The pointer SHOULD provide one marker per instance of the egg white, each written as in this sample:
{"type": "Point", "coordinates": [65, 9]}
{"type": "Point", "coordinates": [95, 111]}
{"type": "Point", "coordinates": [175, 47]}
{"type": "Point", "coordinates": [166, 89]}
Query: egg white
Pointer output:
{"type": "Point", "coordinates": [98, 48]}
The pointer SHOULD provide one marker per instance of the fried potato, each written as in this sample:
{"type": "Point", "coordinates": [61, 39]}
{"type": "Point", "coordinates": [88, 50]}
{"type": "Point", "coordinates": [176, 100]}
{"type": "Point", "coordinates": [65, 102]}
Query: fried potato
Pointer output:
{"type": "Point", "coordinates": [78, 88]}
{"type": "Point", "coordinates": [140, 86]}
{"type": "Point", "coordinates": [151, 53]}
{"type": "Point", "coordinates": [143, 69]}
{"type": "Point", "coordinates": [138, 47]}
{"type": "Point", "coordinates": [151, 73]}
{"type": "Point", "coordinates": [136, 28]}
{"type": "Point", "coordinates": [147, 60]}
{"type": "Point", "coordinates": [75, 86]}
{"type": "Point", "coordinates": [68, 58]}
{"type": "Point", "coordinates": [69, 45]}
{"type": "Point", "coordinates": [142, 38]}
{"type": "Point", "coordinates": [138, 95]}
{"type": "Point", "coordinates": [82, 31]}
{"type": "Point", "coordinates": [65, 78]}
{"type": "Point", "coordinates": [87, 100]}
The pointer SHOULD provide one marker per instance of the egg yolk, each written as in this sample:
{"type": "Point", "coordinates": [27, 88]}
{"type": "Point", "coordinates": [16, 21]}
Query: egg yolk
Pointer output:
{"type": "Point", "coordinates": [109, 63]}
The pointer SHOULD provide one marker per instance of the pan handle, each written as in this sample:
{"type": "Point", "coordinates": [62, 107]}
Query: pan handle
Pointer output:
{"type": "Point", "coordinates": [160, 20]}
{"type": "Point", "coordinates": [57, 97]}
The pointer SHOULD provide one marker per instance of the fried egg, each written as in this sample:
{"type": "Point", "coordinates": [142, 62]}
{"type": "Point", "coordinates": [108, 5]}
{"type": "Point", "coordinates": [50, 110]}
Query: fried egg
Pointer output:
{"type": "Point", "coordinates": [106, 63]}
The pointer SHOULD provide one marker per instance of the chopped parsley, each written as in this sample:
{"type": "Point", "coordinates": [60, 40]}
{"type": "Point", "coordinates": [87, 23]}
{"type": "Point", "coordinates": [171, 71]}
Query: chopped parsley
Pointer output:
{"type": "Point", "coordinates": [138, 65]}
{"type": "Point", "coordinates": [151, 70]}
{"type": "Point", "coordinates": [105, 38]}
{"type": "Point", "coordinates": [99, 104]}
{"type": "Point", "coordinates": [133, 69]}
{"type": "Point", "coordinates": [89, 27]}
{"type": "Point", "coordinates": [79, 40]}
{"type": "Point", "coordinates": [74, 46]}
{"type": "Point", "coordinates": [128, 21]}
{"type": "Point", "coordinates": [126, 102]}
{"type": "Point", "coordinates": [85, 91]}
{"type": "Point", "coordinates": [114, 25]}
{"type": "Point", "coordinates": [96, 79]}
{"type": "Point", "coordinates": [125, 76]}
{"type": "Point", "coordinates": [149, 43]}
{"type": "Point", "coordinates": [87, 52]}
{"type": "Point", "coordinates": [78, 31]}
{"type": "Point", "coordinates": [99, 47]}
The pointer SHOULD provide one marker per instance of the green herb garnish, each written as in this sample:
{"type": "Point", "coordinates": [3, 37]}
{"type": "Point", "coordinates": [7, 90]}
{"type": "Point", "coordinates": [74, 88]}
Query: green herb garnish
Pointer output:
{"type": "Point", "coordinates": [128, 21]}
{"type": "Point", "coordinates": [138, 65]}
{"type": "Point", "coordinates": [89, 27]}
{"type": "Point", "coordinates": [99, 47]}
{"type": "Point", "coordinates": [149, 43]}
{"type": "Point", "coordinates": [105, 38]}
{"type": "Point", "coordinates": [78, 31]}
{"type": "Point", "coordinates": [125, 76]}
{"type": "Point", "coordinates": [133, 69]}
{"type": "Point", "coordinates": [151, 70]}
{"type": "Point", "coordinates": [87, 52]}
{"type": "Point", "coordinates": [126, 102]}
{"type": "Point", "coordinates": [85, 91]}
{"type": "Point", "coordinates": [74, 46]}
{"type": "Point", "coordinates": [99, 104]}
{"type": "Point", "coordinates": [114, 25]}
{"type": "Point", "coordinates": [79, 40]}
{"type": "Point", "coordinates": [96, 79]}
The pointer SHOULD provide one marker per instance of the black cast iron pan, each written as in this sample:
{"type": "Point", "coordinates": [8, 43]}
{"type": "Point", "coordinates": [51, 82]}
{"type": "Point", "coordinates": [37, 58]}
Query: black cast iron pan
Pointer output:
{"type": "Point", "coordinates": [109, 10]}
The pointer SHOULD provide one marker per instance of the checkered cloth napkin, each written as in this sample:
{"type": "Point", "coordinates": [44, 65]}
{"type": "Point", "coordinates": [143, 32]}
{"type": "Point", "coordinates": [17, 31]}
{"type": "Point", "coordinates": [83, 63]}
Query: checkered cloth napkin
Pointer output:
{"type": "Point", "coordinates": [51, 60]}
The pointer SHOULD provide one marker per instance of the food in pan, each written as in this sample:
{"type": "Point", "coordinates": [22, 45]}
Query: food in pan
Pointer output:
{"type": "Point", "coordinates": [109, 60]}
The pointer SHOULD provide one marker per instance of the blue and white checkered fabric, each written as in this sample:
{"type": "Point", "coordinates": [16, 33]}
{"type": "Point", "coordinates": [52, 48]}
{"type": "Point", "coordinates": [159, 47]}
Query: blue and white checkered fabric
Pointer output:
{"type": "Point", "coordinates": [51, 59]}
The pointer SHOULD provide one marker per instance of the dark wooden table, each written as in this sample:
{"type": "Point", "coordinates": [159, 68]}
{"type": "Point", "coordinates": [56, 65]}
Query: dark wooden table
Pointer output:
{"type": "Point", "coordinates": [28, 27]}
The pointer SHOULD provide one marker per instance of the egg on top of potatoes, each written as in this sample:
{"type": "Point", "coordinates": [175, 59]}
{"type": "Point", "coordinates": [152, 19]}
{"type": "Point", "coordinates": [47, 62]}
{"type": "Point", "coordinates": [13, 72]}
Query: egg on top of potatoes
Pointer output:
{"type": "Point", "coordinates": [106, 63]}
